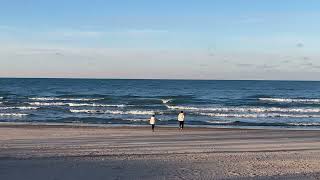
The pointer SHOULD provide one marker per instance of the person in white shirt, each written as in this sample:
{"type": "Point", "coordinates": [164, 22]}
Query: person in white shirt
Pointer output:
{"type": "Point", "coordinates": [181, 120]}
{"type": "Point", "coordinates": [153, 122]}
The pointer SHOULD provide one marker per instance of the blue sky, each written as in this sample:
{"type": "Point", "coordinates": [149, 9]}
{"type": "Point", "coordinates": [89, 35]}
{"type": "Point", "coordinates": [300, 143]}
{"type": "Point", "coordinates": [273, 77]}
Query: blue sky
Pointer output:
{"type": "Point", "coordinates": [208, 39]}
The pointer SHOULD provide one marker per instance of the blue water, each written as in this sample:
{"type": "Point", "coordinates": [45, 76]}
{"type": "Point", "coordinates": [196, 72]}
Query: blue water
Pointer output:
{"type": "Point", "coordinates": [132, 102]}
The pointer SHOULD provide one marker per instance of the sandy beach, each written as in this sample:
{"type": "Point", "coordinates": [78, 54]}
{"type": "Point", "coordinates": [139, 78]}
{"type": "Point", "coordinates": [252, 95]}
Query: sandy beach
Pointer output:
{"type": "Point", "coordinates": [74, 152]}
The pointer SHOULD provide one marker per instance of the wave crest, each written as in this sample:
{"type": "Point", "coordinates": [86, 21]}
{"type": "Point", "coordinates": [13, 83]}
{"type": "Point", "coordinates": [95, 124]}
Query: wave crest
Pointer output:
{"type": "Point", "coordinates": [13, 114]}
{"type": "Point", "coordinates": [21, 108]}
{"type": "Point", "coordinates": [289, 100]}
{"type": "Point", "coordinates": [132, 112]}
{"type": "Point", "coordinates": [75, 104]}
{"type": "Point", "coordinates": [165, 101]}
{"type": "Point", "coordinates": [268, 115]}
{"type": "Point", "coordinates": [64, 99]}
{"type": "Point", "coordinates": [248, 109]}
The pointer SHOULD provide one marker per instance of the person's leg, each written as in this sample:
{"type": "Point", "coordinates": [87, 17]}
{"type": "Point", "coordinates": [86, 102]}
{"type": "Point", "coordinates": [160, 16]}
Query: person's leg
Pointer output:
{"type": "Point", "coordinates": [182, 125]}
{"type": "Point", "coordinates": [152, 127]}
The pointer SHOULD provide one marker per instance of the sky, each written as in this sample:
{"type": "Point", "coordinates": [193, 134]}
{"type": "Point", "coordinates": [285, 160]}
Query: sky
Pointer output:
{"type": "Point", "coordinates": [167, 39]}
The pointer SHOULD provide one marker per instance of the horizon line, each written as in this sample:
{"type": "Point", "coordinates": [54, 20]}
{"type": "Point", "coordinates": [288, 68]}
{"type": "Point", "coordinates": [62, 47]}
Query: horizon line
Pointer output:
{"type": "Point", "coordinates": [172, 79]}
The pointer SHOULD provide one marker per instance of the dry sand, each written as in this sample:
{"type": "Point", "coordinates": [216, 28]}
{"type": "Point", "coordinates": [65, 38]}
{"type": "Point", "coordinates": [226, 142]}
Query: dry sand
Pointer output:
{"type": "Point", "coordinates": [64, 152]}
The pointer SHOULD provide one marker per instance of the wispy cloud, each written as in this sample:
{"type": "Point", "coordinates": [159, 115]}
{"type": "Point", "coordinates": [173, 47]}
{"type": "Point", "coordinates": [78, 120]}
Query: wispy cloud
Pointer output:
{"type": "Point", "coordinates": [80, 32]}
{"type": "Point", "coordinates": [286, 61]}
{"type": "Point", "coordinates": [305, 58]}
{"type": "Point", "coordinates": [76, 34]}
{"type": "Point", "coordinates": [266, 66]}
{"type": "Point", "coordinates": [300, 45]}
{"type": "Point", "coordinates": [310, 65]}
{"type": "Point", "coordinates": [244, 65]}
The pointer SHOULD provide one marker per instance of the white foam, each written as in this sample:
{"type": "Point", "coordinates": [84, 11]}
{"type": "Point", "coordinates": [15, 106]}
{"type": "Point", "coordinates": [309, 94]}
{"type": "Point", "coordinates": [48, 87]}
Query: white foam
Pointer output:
{"type": "Point", "coordinates": [64, 99]}
{"type": "Point", "coordinates": [267, 115]}
{"type": "Point", "coordinates": [219, 122]}
{"type": "Point", "coordinates": [288, 100]}
{"type": "Point", "coordinates": [1, 97]}
{"type": "Point", "coordinates": [184, 108]}
{"type": "Point", "coordinates": [75, 104]}
{"type": "Point", "coordinates": [138, 120]}
{"type": "Point", "coordinates": [48, 104]}
{"type": "Point", "coordinates": [21, 108]}
{"type": "Point", "coordinates": [133, 112]}
{"type": "Point", "coordinates": [165, 101]}
{"type": "Point", "coordinates": [305, 124]}
{"type": "Point", "coordinates": [96, 105]}
{"type": "Point", "coordinates": [248, 109]}
{"type": "Point", "coordinates": [13, 114]}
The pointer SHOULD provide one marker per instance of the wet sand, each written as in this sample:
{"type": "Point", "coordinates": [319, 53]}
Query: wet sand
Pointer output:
{"type": "Point", "coordinates": [74, 152]}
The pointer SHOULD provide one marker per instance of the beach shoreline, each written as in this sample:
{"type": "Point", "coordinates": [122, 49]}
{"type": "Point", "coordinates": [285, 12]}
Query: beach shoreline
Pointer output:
{"type": "Point", "coordinates": [188, 126]}
{"type": "Point", "coordinates": [137, 153]}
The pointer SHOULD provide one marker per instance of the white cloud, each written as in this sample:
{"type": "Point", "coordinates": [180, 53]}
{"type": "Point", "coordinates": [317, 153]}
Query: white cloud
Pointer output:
{"type": "Point", "coordinates": [75, 34]}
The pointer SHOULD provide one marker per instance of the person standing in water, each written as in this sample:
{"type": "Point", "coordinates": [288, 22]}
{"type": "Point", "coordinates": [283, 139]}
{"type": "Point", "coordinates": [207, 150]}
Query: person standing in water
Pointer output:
{"type": "Point", "coordinates": [153, 122]}
{"type": "Point", "coordinates": [181, 120]}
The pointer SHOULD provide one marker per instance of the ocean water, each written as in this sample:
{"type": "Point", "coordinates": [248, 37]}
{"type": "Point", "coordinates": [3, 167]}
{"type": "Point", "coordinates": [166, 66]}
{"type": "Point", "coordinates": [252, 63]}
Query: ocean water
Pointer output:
{"type": "Point", "coordinates": [131, 102]}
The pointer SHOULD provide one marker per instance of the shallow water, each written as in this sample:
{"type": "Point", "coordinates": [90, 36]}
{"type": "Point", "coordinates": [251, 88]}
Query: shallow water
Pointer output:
{"type": "Point", "coordinates": [206, 103]}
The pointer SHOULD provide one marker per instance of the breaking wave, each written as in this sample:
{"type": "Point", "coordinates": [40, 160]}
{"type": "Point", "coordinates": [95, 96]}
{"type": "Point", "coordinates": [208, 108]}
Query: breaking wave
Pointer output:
{"type": "Point", "coordinates": [289, 100]}
{"type": "Point", "coordinates": [64, 99]}
{"type": "Point", "coordinates": [13, 114]}
{"type": "Point", "coordinates": [132, 112]}
{"type": "Point", "coordinates": [165, 101]}
{"type": "Point", "coordinates": [74, 104]}
{"type": "Point", "coordinates": [305, 124]}
{"type": "Point", "coordinates": [48, 104]}
{"type": "Point", "coordinates": [248, 109]}
{"type": "Point", "coordinates": [21, 108]}
{"type": "Point", "coordinates": [267, 115]}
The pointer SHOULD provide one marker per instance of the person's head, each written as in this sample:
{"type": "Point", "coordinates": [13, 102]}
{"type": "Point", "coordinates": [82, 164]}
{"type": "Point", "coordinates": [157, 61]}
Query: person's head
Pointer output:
{"type": "Point", "coordinates": [153, 115]}
{"type": "Point", "coordinates": [181, 112]}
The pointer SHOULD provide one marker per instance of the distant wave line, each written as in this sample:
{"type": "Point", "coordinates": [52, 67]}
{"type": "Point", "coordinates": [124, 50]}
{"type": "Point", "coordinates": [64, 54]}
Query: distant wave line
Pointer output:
{"type": "Point", "coordinates": [133, 112]}
{"type": "Point", "coordinates": [64, 99]}
{"type": "Point", "coordinates": [13, 114]}
{"type": "Point", "coordinates": [268, 115]}
{"type": "Point", "coordinates": [21, 108]}
{"type": "Point", "coordinates": [75, 104]}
